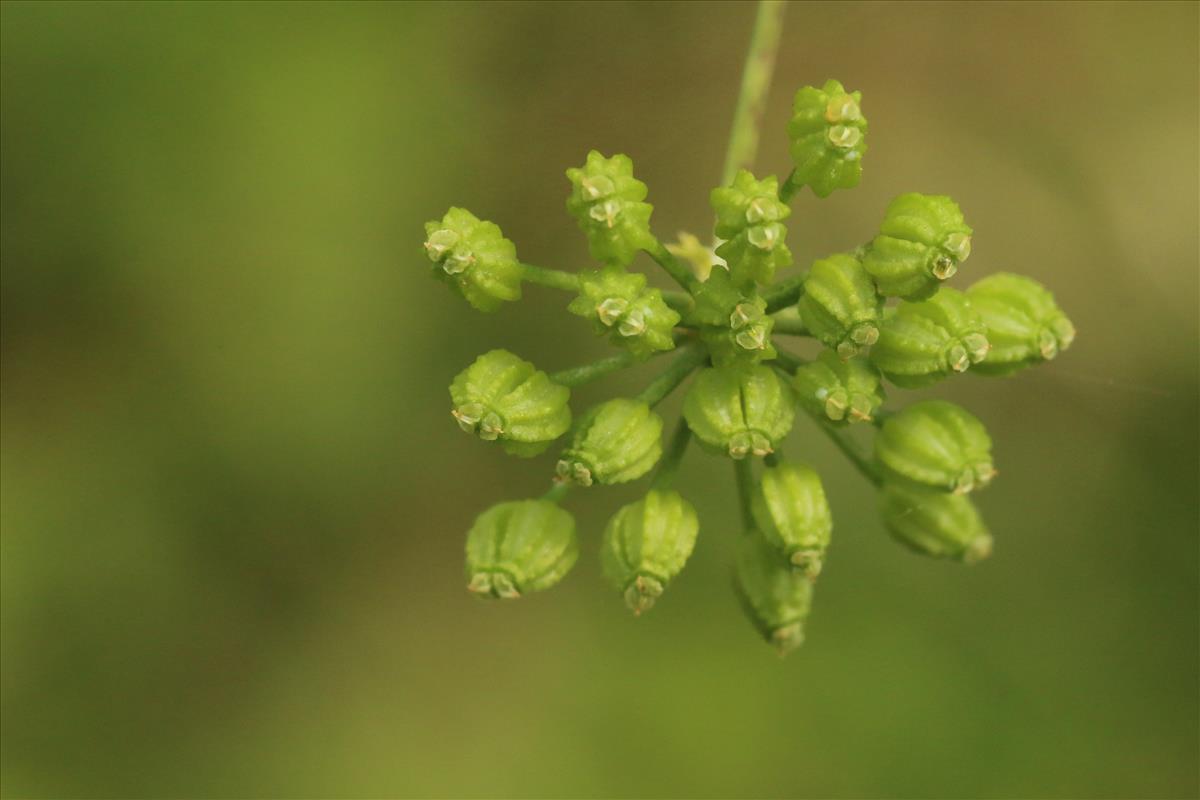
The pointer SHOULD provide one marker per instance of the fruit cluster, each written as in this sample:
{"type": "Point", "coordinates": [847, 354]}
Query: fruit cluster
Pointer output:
{"type": "Point", "coordinates": [882, 313]}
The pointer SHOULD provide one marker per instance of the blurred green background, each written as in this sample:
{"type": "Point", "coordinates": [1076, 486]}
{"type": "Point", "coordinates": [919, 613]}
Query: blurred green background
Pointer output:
{"type": "Point", "coordinates": [234, 502]}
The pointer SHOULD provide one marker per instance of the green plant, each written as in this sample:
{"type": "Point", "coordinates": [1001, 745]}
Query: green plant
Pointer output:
{"type": "Point", "coordinates": [881, 312]}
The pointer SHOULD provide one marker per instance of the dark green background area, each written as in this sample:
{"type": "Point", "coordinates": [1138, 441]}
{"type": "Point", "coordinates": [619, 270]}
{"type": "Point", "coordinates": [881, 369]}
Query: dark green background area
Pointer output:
{"type": "Point", "coordinates": [234, 502]}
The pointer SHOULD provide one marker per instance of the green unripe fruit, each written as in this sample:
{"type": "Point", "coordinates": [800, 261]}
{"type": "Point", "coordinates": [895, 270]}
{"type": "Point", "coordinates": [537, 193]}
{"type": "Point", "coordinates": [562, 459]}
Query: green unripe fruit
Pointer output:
{"type": "Point", "coordinates": [937, 445]}
{"type": "Point", "coordinates": [646, 544]}
{"type": "Point", "coordinates": [520, 547]}
{"type": "Point", "coordinates": [474, 258]}
{"type": "Point", "coordinates": [617, 441]}
{"type": "Point", "coordinates": [791, 511]}
{"type": "Point", "coordinates": [828, 134]}
{"type": "Point", "coordinates": [749, 215]}
{"type": "Point", "coordinates": [1024, 324]}
{"type": "Point", "coordinates": [935, 523]}
{"type": "Point", "coordinates": [619, 306]}
{"type": "Point", "coordinates": [606, 201]}
{"type": "Point", "coordinates": [841, 391]}
{"type": "Point", "coordinates": [840, 306]}
{"type": "Point", "coordinates": [746, 336]}
{"type": "Point", "coordinates": [921, 242]}
{"type": "Point", "coordinates": [504, 398]}
{"type": "Point", "coordinates": [739, 410]}
{"type": "Point", "coordinates": [775, 597]}
{"type": "Point", "coordinates": [922, 342]}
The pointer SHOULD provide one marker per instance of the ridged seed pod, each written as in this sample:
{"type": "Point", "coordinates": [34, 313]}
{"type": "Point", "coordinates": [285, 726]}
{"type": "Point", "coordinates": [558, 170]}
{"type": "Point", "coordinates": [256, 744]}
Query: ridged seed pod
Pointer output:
{"type": "Point", "coordinates": [474, 258]}
{"type": "Point", "coordinates": [519, 547]}
{"type": "Point", "coordinates": [937, 445]}
{"type": "Point", "coordinates": [746, 336]}
{"type": "Point", "coordinates": [842, 391]}
{"type": "Point", "coordinates": [775, 597]}
{"type": "Point", "coordinates": [646, 544]}
{"type": "Point", "coordinates": [739, 410]}
{"type": "Point", "coordinates": [617, 441]}
{"type": "Point", "coordinates": [840, 306]}
{"type": "Point", "coordinates": [828, 134]}
{"type": "Point", "coordinates": [924, 341]}
{"type": "Point", "coordinates": [606, 201]}
{"type": "Point", "coordinates": [935, 523]}
{"type": "Point", "coordinates": [921, 242]}
{"type": "Point", "coordinates": [1024, 324]}
{"type": "Point", "coordinates": [791, 511]}
{"type": "Point", "coordinates": [619, 306]}
{"type": "Point", "coordinates": [504, 398]}
{"type": "Point", "coordinates": [749, 216]}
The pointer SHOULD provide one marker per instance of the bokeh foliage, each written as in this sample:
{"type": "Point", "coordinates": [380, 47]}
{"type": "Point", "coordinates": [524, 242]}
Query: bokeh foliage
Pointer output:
{"type": "Point", "coordinates": [234, 502]}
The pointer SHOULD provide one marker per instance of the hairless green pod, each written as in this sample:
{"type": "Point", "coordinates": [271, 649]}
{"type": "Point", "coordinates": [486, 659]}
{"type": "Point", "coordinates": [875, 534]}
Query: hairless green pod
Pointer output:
{"type": "Point", "coordinates": [828, 135]}
{"type": "Point", "coordinates": [875, 314]}
{"type": "Point", "coordinates": [519, 547]}
{"type": "Point", "coordinates": [935, 523]}
{"type": "Point", "coordinates": [922, 342]}
{"type": "Point", "coordinates": [1024, 324]}
{"type": "Point", "coordinates": [840, 306]}
{"type": "Point", "coordinates": [938, 445]}
{"type": "Point", "coordinates": [740, 410]}
{"type": "Point", "coordinates": [790, 510]}
{"type": "Point", "coordinates": [921, 242]}
{"type": "Point", "coordinates": [646, 544]}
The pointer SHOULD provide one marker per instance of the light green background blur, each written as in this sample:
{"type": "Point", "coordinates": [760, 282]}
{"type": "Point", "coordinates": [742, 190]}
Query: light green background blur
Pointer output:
{"type": "Point", "coordinates": [234, 501]}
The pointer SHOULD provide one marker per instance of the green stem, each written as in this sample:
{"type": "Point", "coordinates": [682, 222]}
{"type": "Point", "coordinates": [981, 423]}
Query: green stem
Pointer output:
{"type": "Point", "coordinates": [744, 473]}
{"type": "Point", "coordinates": [554, 278]}
{"type": "Point", "coordinates": [557, 492]}
{"type": "Point", "coordinates": [790, 326]}
{"type": "Point", "coordinates": [678, 301]}
{"type": "Point", "coordinates": [669, 465]}
{"type": "Point", "coordinates": [674, 267]}
{"type": "Point", "coordinates": [785, 293]}
{"type": "Point", "coordinates": [849, 449]}
{"type": "Point", "coordinates": [787, 188]}
{"type": "Point", "coordinates": [752, 97]}
{"type": "Point", "coordinates": [586, 373]}
{"type": "Point", "coordinates": [687, 361]}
